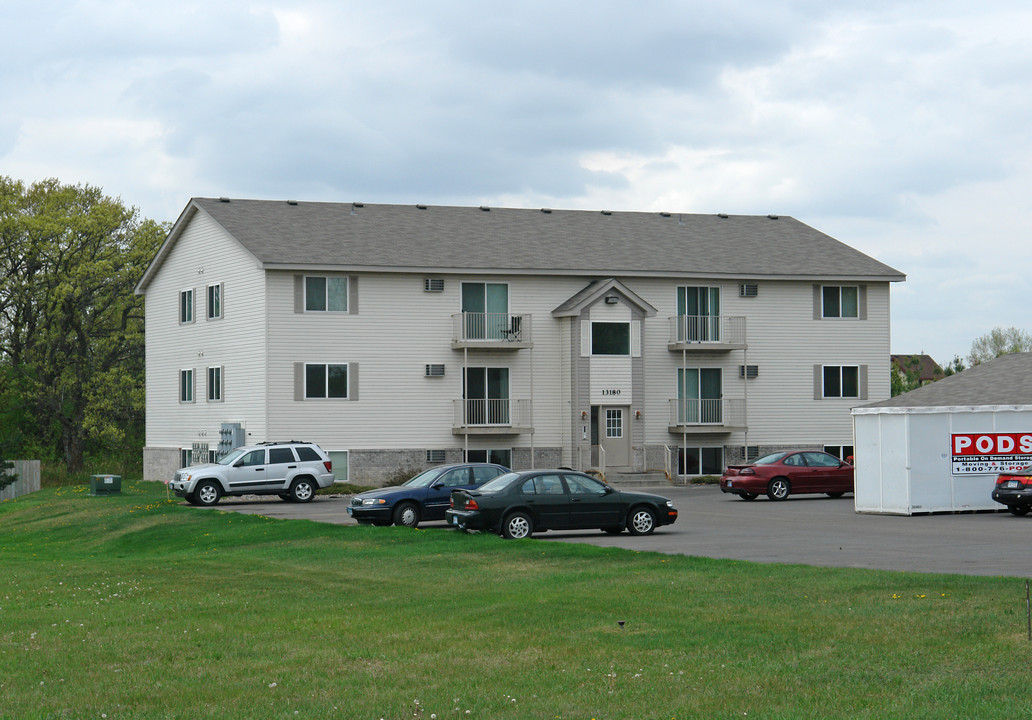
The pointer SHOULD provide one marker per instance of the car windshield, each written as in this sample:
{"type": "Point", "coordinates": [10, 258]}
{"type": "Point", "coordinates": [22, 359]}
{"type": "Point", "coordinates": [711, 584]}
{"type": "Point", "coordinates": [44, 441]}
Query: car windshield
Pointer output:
{"type": "Point", "coordinates": [499, 483]}
{"type": "Point", "coordinates": [424, 478]}
{"type": "Point", "coordinates": [231, 456]}
{"type": "Point", "coordinates": [770, 459]}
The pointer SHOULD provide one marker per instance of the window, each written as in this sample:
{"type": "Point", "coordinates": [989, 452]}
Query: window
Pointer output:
{"type": "Point", "coordinates": [842, 452]}
{"type": "Point", "coordinates": [614, 423]}
{"type": "Point", "coordinates": [215, 384]}
{"type": "Point", "coordinates": [485, 310]}
{"type": "Point", "coordinates": [326, 294]}
{"type": "Point", "coordinates": [186, 306]}
{"type": "Point", "coordinates": [698, 312]}
{"type": "Point", "coordinates": [281, 456]}
{"type": "Point", "coordinates": [840, 301]}
{"type": "Point", "coordinates": [610, 338]}
{"type": "Point", "coordinates": [486, 395]}
{"type": "Point", "coordinates": [186, 386]}
{"type": "Point", "coordinates": [701, 460]}
{"type": "Point", "coordinates": [841, 381]}
{"type": "Point", "coordinates": [215, 301]}
{"type": "Point", "coordinates": [252, 459]}
{"type": "Point", "coordinates": [185, 457]}
{"type": "Point", "coordinates": [699, 395]}
{"type": "Point", "coordinates": [584, 486]}
{"type": "Point", "coordinates": [543, 485]}
{"type": "Point", "coordinates": [339, 458]}
{"type": "Point", "coordinates": [498, 457]}
{"type": "Point", "coordinates": [326, 381]}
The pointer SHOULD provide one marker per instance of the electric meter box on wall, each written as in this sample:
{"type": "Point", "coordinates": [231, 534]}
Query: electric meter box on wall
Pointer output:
{"type": "Point", "coordinates": [940, 447]}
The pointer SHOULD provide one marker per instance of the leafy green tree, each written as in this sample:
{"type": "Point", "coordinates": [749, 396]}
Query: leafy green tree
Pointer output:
{"type": "Point", "coordinates": [71, 330]}
{"type": "Point", "coordinates": [955, 366]}
{"type": "Point", "coordinates": [905, 376]}
{"type": "Point", "coordinates": [999, 341]}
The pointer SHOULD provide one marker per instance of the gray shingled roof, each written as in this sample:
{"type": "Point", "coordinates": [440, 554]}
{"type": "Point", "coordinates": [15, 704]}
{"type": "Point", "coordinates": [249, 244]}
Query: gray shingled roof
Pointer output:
{"type": "Point", "coordinates": [1007, 380]}
{"type": "Point", "coordinates": [282, 234]}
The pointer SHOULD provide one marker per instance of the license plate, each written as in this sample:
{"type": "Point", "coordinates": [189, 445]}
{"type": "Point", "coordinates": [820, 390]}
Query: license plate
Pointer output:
{"type": "Point", "coordinates": [454, 520]}
{"type": "Point", "coordinates": [1013, 483]}
{"type": "Point", "coordinates": [730, 483]}
{"type": "Point", "coordinates": [350, 511]}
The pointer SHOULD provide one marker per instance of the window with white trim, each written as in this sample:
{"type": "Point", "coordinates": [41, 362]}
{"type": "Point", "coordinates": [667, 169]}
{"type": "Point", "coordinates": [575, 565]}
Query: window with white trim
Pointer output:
{"type": "Point", "coordinates": [186, 386]}
{"type": "Point", "coordinates": [326, 294]}
{"type": "Point", "coordinates": [842, 381]}
{"type": "Point", "coordinates": [339, 458]}
{"type": "Point", "coordinates": [215, 383]}
{"type": "Point", "coordinates": [610, 338]}
{"type": "Point", "coordinates": [215, 301]}
{"type": "Point", "coordinates": [326, 380]}
{"type": "Point", "coordinates": [700, 460]}
{"type": "Point", "coordinates": [186, 306]}
{"type": "Point", "coordinates": [842, 452]}
{"type": "Point", "coordinates": [840, 301]}
{"type": "Point", "coordinates": [499, 456]}
{"type": "Point", "coordinates": [614, 423]}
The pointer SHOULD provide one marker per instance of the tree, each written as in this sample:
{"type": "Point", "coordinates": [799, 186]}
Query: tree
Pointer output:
{"type": "Point", "coordinates": [71, 330]}
{"type": "Point", "coordinates": [999, 341]}
{"type": "Point", "coordinates": [906, 375]}
{"type": "Point", "coordinates": [955, 366]}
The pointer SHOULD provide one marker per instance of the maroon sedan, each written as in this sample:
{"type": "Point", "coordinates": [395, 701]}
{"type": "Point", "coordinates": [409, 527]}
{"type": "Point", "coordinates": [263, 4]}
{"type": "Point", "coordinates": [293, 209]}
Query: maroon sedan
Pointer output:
{"type": "Point", "coordinates": [783, 473]}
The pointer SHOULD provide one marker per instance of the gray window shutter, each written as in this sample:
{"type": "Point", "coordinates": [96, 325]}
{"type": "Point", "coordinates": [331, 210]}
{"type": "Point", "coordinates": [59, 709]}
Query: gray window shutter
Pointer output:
{"type": "Point", "coordinates": [353, 381]}
{"type": "Point", "coordinates": [818, 382]}
{"type": "Point", "coordinates": [299, 293]}
{"type": "Point", "coordinates": [818, 312]}
{"type": "Point", "coordinates": [635, 338]}
{"type": "Point", "coordinates": [861, 301]}
{"type": "Point", "coordinates": [585, 338]}
{"type": "Point", "coordinates": [352, 295]}
{"type": "Point", "coordinates": [299, 381]}
{"type": "Point", "coordinates": [863, 382]}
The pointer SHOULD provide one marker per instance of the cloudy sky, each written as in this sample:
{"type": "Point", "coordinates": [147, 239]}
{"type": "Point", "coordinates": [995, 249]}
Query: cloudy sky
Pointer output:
{"type": "Point", "coordinates": [899, 127]}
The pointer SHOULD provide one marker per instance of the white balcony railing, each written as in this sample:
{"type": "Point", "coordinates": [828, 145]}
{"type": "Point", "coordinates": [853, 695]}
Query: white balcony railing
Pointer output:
{"type": "Point", "coordinates": [475, 328]}
{"type": "Point", "coordinates": [486, 413]}
{"type": "Point", "coordinates": [700, 413]}
{"type": "Point", "coordinates": [715, 330]}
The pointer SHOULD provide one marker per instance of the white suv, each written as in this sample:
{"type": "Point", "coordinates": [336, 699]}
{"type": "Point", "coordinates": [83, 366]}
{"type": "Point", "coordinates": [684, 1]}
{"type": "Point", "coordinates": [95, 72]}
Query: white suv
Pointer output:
{"type": "Point", "coordinates": [293, 470]}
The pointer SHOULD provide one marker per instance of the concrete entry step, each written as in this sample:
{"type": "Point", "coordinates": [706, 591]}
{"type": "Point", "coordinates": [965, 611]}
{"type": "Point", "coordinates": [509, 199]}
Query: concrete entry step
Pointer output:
{"type": "Point", "coordinates": [631, 481]}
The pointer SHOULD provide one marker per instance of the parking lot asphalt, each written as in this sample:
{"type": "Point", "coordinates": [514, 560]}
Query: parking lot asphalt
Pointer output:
{"type": "Point", "coordinates": [804, 529]}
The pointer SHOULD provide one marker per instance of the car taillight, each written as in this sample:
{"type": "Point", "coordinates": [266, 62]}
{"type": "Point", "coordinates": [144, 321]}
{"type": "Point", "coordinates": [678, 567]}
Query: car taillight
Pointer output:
{"type": "Point", "coordinates": [746, 471]}
{"type": "Point", "coordinates": [329, 465]}
{"type": "Point", "coordinates": [471, 504]}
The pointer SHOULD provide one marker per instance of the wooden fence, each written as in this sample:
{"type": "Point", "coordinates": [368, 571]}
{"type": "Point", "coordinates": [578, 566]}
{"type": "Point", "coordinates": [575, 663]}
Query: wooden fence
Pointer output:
{"type": "Point", "coordinates": [27, 482]}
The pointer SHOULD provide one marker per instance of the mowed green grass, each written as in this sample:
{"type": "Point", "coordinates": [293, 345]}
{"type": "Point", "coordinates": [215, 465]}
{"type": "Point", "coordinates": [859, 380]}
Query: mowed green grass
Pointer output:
{"type": "Point", "coordinates": [133, 606]}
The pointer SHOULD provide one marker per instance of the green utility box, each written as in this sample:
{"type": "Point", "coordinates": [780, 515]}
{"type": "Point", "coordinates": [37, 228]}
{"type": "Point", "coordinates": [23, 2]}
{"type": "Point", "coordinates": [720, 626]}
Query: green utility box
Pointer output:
{"type": "Point", "coordinates": [105, 484]}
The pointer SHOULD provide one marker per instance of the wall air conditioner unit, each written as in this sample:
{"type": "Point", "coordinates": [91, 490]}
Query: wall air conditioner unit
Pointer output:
{"type": "Point", "coordinates": [435, 457]}
{"type": "Point", "coordinates": [435, 370]}
{"type": "Point", "coordinates": [754, 370]}
{"type": "Point", "coordinates": [748, 290]}
{"type": "Point", "coordinates": [433, 284]}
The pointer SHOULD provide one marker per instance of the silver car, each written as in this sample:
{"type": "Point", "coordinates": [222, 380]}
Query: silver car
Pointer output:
{"type": "Point", "coordinates": [294, 471]}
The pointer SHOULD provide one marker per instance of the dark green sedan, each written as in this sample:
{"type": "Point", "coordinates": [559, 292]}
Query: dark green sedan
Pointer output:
{"type": "Point", "coordinates": [518, 504]}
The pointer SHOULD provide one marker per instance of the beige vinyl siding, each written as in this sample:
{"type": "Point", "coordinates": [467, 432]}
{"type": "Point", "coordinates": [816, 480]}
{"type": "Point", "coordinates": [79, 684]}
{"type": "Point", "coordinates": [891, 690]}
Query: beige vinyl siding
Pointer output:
{"type": "Point", "coordinates": [399, 329]}
{"type": "Point", "coordinates": [205, 255]}
{"type": "Point", "coordinates": [784, 342]}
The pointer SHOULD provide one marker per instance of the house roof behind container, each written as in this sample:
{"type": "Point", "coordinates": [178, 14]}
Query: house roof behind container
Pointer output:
{"type": "Point", "coordinates": [1007, 380]}
{"type": "Point", "coordinates": [480, 239]}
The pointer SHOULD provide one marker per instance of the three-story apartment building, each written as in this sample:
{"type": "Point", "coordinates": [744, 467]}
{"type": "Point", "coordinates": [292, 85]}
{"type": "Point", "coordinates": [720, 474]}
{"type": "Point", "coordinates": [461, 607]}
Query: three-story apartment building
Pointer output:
{"type": "Point", "coordinates": [396, 336]}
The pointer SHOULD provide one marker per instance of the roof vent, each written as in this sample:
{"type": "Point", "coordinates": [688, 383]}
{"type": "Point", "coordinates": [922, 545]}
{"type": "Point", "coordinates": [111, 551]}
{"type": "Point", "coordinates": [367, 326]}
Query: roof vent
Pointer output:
{"type": "Point", "coordinates": [291, 202]}
{"type": "Point", "coordinates": [546, 211]}
{"type": "Point", "coordinates": [421, 206]}
{"type": "Point", "coordinates": [607, 212]}
{"type": "Point", "coordinates": [773, 217]}
{"type": "Point", "coordinates": [722, 215]}
{"type": "Point", "coordinates": [664, 214]}
{"type": "Point", "coordinates": [357, 204]}
{"type": "Point", "coordinates": [485, 208]}
{"type": "Point", "coordinates": [224, 199]}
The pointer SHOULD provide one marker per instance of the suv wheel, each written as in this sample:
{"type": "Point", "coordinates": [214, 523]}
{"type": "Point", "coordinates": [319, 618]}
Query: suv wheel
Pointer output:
{"type": "Point", "coordinates": [302, 490]}
{"type": "Point", "coordinates": [207, 493]}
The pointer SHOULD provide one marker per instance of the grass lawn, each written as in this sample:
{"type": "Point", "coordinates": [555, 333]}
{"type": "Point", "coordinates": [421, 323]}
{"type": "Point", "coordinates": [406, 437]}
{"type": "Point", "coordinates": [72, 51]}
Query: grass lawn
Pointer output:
{"type": "Point", "coordinates": [133, 606]}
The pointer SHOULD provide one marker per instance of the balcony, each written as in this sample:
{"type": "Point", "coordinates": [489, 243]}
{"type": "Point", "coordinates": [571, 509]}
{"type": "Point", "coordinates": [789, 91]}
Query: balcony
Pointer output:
{"type": "Point", "coordinates": [697, 417]}
{"type": "Point", "coordinates": [491, 331]}
{"type": "Point", "coordinates": [707, 333]}
{"type": "Point", "coordinates": [492, 417]}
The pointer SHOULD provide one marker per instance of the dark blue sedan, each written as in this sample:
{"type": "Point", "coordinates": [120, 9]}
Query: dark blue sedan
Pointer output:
{"type": "Point", "coordinates": [423, 498]}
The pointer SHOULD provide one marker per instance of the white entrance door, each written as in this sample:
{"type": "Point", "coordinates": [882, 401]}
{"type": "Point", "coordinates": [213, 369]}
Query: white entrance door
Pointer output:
{"type": "Point", "coordinates": [615, 435]}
